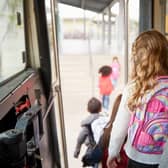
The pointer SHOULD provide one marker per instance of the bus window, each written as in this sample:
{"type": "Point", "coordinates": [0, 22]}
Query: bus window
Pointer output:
{"type": "Point", "coordinates": [133, 24]}
{"type": "Point", "coordinates": [115, 29]}
{"type": "Point", "coordinates": [117, 35]}
{"type": "Point", "coordinates": [51, 37]}
{"type": "Point", "coordinates": [12, 42]}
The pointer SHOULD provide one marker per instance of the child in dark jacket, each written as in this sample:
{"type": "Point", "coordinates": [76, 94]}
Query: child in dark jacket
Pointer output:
{"type": "Point", "coordinates": [94, 108]}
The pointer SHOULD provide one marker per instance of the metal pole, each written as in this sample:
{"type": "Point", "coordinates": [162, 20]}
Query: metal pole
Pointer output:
{"type": "Point", "coordinates": [103, 28]}
{"type": "Point", "coordinates": [84, 24]}
{"type": "Point", "coordinates": [126, 41]}
{"type": "Point", "coordinates": [98, 25]}
{"type": "Point", "coordinates": [91, 64]}
{"type": "Point", "coordinates": [109, 25]}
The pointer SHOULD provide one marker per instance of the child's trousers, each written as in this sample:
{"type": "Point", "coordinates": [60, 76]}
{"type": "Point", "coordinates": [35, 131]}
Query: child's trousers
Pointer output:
{"type": "Point", "coordinates": [105, 101]}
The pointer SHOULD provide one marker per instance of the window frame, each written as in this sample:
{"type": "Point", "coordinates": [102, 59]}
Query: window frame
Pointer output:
{"type": "Point", "coordinates": [17, 73]}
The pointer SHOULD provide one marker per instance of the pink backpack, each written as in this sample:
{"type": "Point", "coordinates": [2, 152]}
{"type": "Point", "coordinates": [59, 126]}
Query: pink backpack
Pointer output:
{"type": "Point", "coordinates": [148, 129]}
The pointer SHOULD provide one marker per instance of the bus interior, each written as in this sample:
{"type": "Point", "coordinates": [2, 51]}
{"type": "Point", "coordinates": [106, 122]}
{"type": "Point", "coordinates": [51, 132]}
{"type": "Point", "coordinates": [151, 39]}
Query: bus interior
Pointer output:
{"type": "Point", "coordinates": [38, 116]}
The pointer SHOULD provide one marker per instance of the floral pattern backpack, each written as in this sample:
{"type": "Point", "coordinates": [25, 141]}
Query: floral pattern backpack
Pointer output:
{"type": "Point", "coordinates": [148, 129]}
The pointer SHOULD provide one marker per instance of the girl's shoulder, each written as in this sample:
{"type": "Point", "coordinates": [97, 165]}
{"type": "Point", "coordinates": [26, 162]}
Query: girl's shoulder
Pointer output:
{"type": "Point", "coordinates": [128, 88]}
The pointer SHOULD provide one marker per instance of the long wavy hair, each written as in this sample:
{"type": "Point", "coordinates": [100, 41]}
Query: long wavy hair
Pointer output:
{"type": "Point", "coordinates": [150, 60]}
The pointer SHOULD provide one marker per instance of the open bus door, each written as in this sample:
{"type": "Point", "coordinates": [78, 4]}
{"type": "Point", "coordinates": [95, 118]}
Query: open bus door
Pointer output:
{"type": "Point", "coordinates": [56, 100]}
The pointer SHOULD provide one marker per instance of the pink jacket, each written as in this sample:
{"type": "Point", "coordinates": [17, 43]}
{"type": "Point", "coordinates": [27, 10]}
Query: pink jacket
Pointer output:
{"type": "Point", "coordinates": [115, 70]}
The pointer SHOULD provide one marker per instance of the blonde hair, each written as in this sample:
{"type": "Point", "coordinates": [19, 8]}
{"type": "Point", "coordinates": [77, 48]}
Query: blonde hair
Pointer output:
{"type": "Point", "coordinates": [150, 59]}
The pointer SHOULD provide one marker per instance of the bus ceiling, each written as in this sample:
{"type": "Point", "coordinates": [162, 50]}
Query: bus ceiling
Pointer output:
{"type": "Point", "coordinates": [92, 5]}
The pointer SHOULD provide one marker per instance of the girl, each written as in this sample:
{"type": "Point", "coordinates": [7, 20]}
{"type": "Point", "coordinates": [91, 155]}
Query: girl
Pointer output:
{"type": "Point", "coordinates": [105, 85]}
{"type": "Point", "coordinates": [116, 71]}
{"type": "Point", "coordinates": [143, 108]}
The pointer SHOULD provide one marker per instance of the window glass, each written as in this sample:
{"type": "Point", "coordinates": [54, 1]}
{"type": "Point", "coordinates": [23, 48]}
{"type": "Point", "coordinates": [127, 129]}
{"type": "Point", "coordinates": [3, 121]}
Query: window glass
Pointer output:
{"type": "Point", "coordinates": [133, 24]}
{"type": "Point", "coordinates": [115, 29]}
{"type": "Point", "coordinates": [133, 21]}
{"type": "Point", "coordinates": [117, 38]}
{"type": "Point", "coordinates": [12, 43]}
{"type": "Point", "coordinates": [51, 36]}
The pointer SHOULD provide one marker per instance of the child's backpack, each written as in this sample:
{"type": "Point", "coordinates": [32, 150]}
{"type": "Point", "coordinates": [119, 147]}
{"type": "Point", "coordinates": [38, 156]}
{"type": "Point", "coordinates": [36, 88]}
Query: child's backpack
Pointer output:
{"type": "Point", "coordinates": [94, 152]}
{"type": "Point", "coordinates": [148, 130]}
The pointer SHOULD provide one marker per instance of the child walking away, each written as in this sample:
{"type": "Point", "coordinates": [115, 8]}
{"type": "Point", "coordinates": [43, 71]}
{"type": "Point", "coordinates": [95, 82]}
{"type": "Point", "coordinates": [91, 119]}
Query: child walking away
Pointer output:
{"type": "Point", "coordinates": [116, 71]}
{"type": "Point", "coordinates": [105, 86]}
{"type": "Point", "coordinates": [94, 108]}
{"type": "Point", "coordinates": [143, 111]}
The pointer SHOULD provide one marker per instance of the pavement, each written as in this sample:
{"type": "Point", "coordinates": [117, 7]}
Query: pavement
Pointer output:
{"type": "Point", "coordinates": [79, 82]}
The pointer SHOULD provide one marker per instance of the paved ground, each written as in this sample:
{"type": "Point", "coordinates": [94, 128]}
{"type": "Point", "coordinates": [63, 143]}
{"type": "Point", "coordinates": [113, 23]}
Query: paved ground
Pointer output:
{"type": "Point", "coordinates": [79, 64]}
{"type": "Point", "coordinates": [79, 83]}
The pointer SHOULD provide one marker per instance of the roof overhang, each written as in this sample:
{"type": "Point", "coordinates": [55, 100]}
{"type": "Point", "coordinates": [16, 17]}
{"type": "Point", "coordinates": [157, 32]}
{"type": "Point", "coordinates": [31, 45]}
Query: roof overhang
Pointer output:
{"type": "Point", "coordinates": [92, 5]}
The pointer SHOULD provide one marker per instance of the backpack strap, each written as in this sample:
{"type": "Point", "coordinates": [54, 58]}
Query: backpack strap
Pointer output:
{"type": "Point", "coordinates": [90, 135]}
{"type": "Point", "coordinates": [105, 137]}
